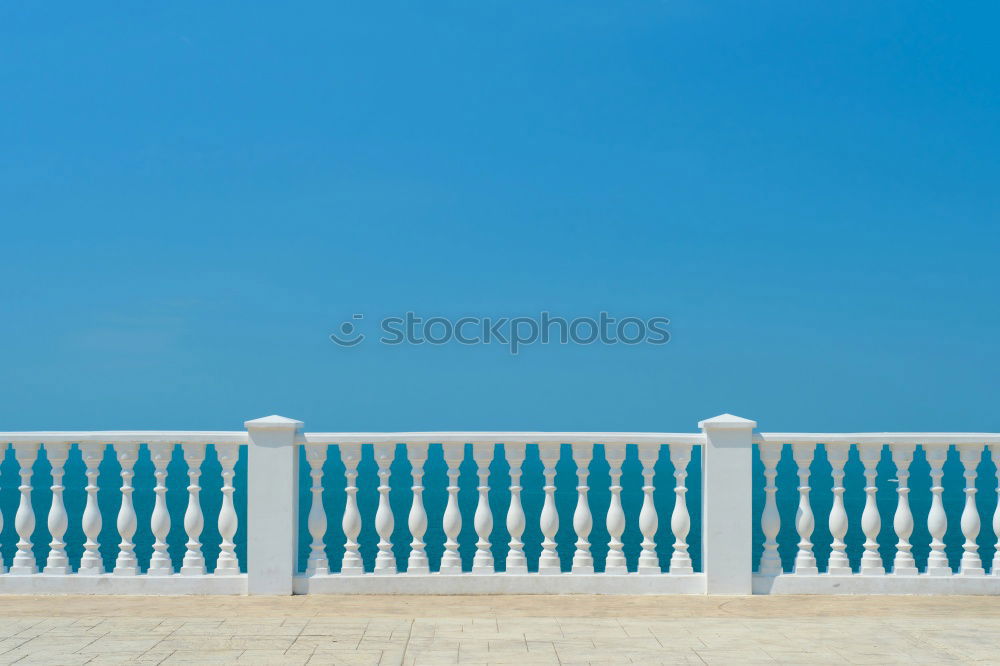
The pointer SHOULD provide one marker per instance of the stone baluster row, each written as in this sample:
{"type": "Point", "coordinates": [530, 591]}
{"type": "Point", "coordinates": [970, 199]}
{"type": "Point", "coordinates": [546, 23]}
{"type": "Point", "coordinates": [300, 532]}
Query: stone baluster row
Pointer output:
{"type": "Point", "coordinates": [126, 563]}
{"type": "Point", "coordinates": [516, 562]}
{"type": "Point", "coordinates": [871, 522]}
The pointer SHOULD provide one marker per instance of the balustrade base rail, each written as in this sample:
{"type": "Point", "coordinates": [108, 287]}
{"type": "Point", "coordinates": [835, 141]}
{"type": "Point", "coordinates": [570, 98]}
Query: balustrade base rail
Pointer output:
{"type": "Point", "coordinates": [502, 583]}
{"type": "Point", "coordinates": [127, 585]}
{"type": "Point", "coordinates": [886, 584]}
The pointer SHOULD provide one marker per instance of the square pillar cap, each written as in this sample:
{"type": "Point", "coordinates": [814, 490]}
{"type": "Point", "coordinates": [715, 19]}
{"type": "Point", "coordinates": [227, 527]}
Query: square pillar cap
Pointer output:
{"type": "Point", "coordinates": [273, 422]}
{"type": "Point", "coordinates": [727, 422]}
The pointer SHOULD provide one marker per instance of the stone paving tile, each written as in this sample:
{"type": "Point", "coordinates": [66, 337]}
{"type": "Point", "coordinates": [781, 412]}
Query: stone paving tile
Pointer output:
{"type": "Point", "coordinates": [499, 630]}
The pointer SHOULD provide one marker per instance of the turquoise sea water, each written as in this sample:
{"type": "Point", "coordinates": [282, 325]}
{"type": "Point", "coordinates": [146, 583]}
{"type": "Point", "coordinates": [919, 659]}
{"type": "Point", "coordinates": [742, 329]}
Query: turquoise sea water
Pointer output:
{"type": "Point", "coordinates": [435, 498]}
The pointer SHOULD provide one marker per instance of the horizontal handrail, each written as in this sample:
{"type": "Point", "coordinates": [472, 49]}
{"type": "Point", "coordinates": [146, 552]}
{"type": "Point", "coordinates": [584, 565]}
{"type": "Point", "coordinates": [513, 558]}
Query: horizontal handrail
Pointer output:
{"type": "Point", "coordinates": [327, 438]}
{"type": "Point", "coordinates": [956, 438]}
{"type": "Point", "coordinates": [126, 437]}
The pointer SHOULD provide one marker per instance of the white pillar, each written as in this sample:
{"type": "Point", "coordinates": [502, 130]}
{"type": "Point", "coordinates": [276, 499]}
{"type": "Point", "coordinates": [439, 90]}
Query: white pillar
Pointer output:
{"type": "Point", "coordinates": [272, 504]}
{"type": "Point", "coordinates": [516, 522]}
{"type": "Point", "coordinates": [159, 522]}
{"type": "Point", "coordinates": [839, 564]}
{"type": "Point", "coordinates": [805, 521]}
{"type": "Point", "coordinates": [385, 522]}
{"type": "Point", "coordinates": [972, 562]}
{"type": "Point", "coordinates": [317, 564]}
{"type": "Point", "coordinates": [615, 563]}
{"type": "Point", "coordinates": [417, 520]}
{"type": "Point", "coordinates": [726, 500]}
{"type": "Point", "coordinates": [451, 523]}
{"type": "Point", "coordinates": [227, 564]}
{"type": "Point", "coordinates": [583, 521]}
{"type": "Point", "coordinates": [482, 561]}
{"type": "Point", "coordinates": [57, 563]}
{"type": "Point", "coordinates": [770, 519]}
{"type": "Point", "coordinates": [24, 520]}
{"type": "Point", "coordinates": [127, 564]}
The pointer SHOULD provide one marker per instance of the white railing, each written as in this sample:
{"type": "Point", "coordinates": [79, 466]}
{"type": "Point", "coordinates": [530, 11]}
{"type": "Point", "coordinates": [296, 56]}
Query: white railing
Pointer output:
{"type": "Point", "coordinates": [56, 576]}
{"type": "Point", "coordinates": [725, 448]}
{"type": "Point", "coordinates": [872, 576]}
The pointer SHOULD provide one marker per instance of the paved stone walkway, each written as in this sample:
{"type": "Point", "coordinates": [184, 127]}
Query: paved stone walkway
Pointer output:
{"type": "Point", "coordinates": [499, 630]}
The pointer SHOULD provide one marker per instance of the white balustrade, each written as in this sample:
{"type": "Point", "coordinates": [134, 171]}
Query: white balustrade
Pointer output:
{"type": "Point", "coordinates": [729, 441]}
{"type": "Point", "coordinates": [317, 564]}
{"type": "Point", "coordinates": [616, 563]}
{"type": "Point", "coordinates": [159, 523]}
{"type": "Point", "coordinates": [451, 561]}
{"type": "Point", "coordinates": [937, 520]}
{"type": "Point", "coordinates": [91, 563]}
{"type": "Point", "coordinates": [649, 561]}
{"type": "Point", "coordinates": [516, 521]}
{"type": "Point", "coordinates": [871, 521]}
{"type": "Point", "coordinates": [417, 520]}
{"type": "Point", "coordinates": [839, 564]}
{"type": "Point", "coordinates": [194, 519]}
{"type": "Point", "coordinates": [770, 520]}
{"type": "Point", "coordinates": [351, 565]}
{"type": "Point", "coordinates": [126, 564]}
{"type": "Point", "coordinates": [995, 455]}
{"type": "Point", "coordinates": [805, 561]}
{"type": "Point", "coordinates": [680, 518]}
{"type": "Point", "coordinates": [482, 561]}
{"type": "Point", "coordinates": [385, 561]}
{"type": "Point", "coordinates": [971, 564]}
{"type": "Point", "coordinates": [228, 564]}
{"type": "Point", "coordinates": [57, 563]}
{"type": "Point", "coordinates": [24, 520]}
{"type": "Point", "coordinates": [903, 564]}
{"type": "Point", "coordinates": [583, 521]}
{"type": "Point", "coordinates": [548, 561]}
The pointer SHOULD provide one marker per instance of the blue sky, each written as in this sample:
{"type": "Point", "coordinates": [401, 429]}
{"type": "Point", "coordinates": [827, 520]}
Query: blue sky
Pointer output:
{"type": "Point", "coordinates": [194, 195]}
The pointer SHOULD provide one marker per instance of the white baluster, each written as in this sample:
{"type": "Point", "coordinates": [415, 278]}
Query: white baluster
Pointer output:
{"type": "Point", "coordinates": [194, 520]}
{"type": "Point", "coordinates": [91, 563]}
{"type": "Point", "coordinates": [937, 520]}
{"type": "Point", "coordinates": [548, 561]}
{"type": "Point", "coordinates": [871, 521]}
{"type": "Point", "coordinates": [3, 453]}
{"type": "Point", "coordinates": [159, 523]}
{"type": "Point", "coordinates": [902, 522]}
{"type": "Point", "coordinates": [57, 563]}
{"type": "Point", "coordinates": [680, 519]}
{"type": "Point", "coordinates": [451, 561]}
{"type": "Point", "coordinates": [839, 564]}
{"type": "Point", "coordinates": [24, 520]}
{"type": "Point", "coordinates": [972, 563]}
{"type": "Point", "coordinates": [482, 561]}
{"type": "Point", "coordinates": [995, 454]}
{"type": "Point", "coordinates": [615, 563]}
{"type": "Point", "coordinates": [385, 561]}
{"type": "Point", "coordinates": [351, 565]}
{"type": "Point", "coordinates": [126, 564]}
{"type": "Point", "coordinates": [770, 519]}
{"type": "Point", "coordinates": [227, 564]}
{"type": "Point", "coordinates": [583, 521]}
{"type": "Point", "coordinates": [317, 564]}
{"type": "Point", "coordinates": [805, 561]}
{"type": "Point", "coordinates": [417, 521]}
{"type": "Point", "coordinates": [516, 522]}
{"type": "Point", "coordinates": [649, 561]}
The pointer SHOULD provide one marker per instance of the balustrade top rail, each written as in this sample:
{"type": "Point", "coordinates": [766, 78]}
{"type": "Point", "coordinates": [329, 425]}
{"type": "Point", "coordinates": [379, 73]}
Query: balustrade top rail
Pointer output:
{"type": "Point", "coordinates": [126, 437]}
{"type": "Point", "coordinates": [321, 438]}
{"type": "Point", "coordinates": [498, 437]}
{"type": "Point", "coordinates": [956, 438]}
